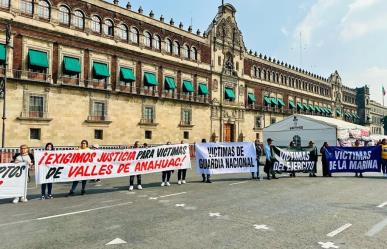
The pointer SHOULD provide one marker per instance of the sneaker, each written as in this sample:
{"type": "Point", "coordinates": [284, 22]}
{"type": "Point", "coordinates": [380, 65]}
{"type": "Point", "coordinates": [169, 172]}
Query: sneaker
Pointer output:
{"type": "Point", "coordinates": [16, 200]}
{"type": "Point", "coordinates": [184, 182]}
{"type": "Point", "coordinates": [179, 182]}
{"type": "Point", "coordinates": [168, 184]}
{"type": "Point", "coordinates": [162, 184]}
{"type": "Point", "coordinates": [208, 181]}
{"type": "Point", "coordinates": [130, 188]}
{"type": "Point", "coordinates": [23, 199]}
{"type": "Point", "coordinates": [50, 197]}
{"type": "Point", "coordinates": [139, 187]}
{"type": "Point", "coordinates": [43, 197]}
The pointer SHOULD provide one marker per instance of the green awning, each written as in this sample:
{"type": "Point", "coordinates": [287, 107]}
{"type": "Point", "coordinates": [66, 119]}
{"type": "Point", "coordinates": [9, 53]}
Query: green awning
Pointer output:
{"type": "Point", "coordinates": [37, 59]}
{"type": "Point", "coordinates": [281, 103]}
{"type": "Point", "coordinates": [127, 74]}
{"type": "Point", "coordinates": [150, 79]}
{"type": "Point", "coordinates": [299, 106]}
{"type": "Point", "coordinates": [349, 115]}
{"type": "Point", "coordinates": [274, 102]}
{"type": "Point", "coordinates": [317, 108]}
{"type": "Point", "coordinates": [170, 83]}
{"type": "Point", "coordinates": [338, 112]}
{"type": "Point", "coordinates": [322, 110]}
{"type": "Point", "coordinates": [291, 104]}
{"type": "Point", "coordinates": [311, 107]}
{"type": "Point", "coordinates": [356, 116]}
{"type": "Point", "coordinates": [306, 107]}
{"type": "Point", "coordinates": [329, 111]}
{"type": "Point", "coordinates": [229, 93]}
{"type": "Point", "coordinates": [100, 70]}
{"type": "Point", "coordinates": [203, 89]}
{"type": "Point", "coordinates": [251, 98]}
{"type": "Point", "coordinates": [71, 65]}
{"type": "Point", "coordinates": [188, 86]}
{"type": "Point", "coordinates": [267, 100]}
{"type": "Point", "coordinates": [2, 53]}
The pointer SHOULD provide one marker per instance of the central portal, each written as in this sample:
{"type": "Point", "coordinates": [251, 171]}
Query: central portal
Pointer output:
{"type": "Point", "coordinates": [229, 133]}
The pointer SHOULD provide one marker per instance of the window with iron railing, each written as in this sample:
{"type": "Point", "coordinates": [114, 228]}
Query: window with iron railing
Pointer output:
{"type": "Point", "coordinates": [36, 107]}
{"type": "Point", "coordinates": [148, 114]}
{"type": "Point", "coordinates": [99, 111]}
{"type": "Point", "coordinates": [186, 117]}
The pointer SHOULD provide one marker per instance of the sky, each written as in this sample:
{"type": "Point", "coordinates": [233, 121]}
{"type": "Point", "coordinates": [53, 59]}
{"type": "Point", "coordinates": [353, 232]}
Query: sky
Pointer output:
{"type": "Point", "coordinates": [320, 36]}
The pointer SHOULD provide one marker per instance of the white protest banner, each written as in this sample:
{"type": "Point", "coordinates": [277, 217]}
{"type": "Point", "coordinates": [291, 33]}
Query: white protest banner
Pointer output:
{"type": "Point", "coordinates": [13, 180]}
{"type": "Point", "coordinates": [223, 158]}
{"type": "Point", "coordinates": [64, 166]}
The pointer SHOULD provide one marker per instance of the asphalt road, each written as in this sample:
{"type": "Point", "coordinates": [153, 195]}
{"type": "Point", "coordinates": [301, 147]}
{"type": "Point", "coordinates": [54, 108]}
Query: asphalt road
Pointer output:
{"type": "Point", "coordinates": [232, 212]}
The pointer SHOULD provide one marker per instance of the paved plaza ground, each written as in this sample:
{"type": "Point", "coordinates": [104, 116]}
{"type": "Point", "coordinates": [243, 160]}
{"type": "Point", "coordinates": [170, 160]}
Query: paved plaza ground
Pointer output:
{"type": "Point", "coordinates": [232, 212]}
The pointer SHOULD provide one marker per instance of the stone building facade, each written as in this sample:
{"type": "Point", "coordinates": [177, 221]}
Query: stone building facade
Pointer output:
{"type": "Point", "coordinates": [88, 69]}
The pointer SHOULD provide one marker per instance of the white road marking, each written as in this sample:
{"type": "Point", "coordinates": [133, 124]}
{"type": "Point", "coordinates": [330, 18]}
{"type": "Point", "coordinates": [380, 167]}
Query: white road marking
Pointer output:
{"type": "Point", "coordinates": [327, 245]}
{"type": "Point", "coordinates": [377, 228]}
{"type": "Point", "coordinates": [180, 205]}
{"type": "Point", "coordinates": [82, 211]}
{"type": "Point", "coordinates": [116, 241]}
{"type": "Point", "coordinates": [261, 227]}
{"type": "Point", "coordinates": [214, 214]}
{"type": "Point", "coordinates": [339, 230]}
{"type": "Point", "coordinates": [163, 196]}
{"type": "Point", "coordinates": [107, 201]}
{"type": "Point", "coordinates": [153, 198]}
{"type": "Point", "coordinates": [14, 223]}
{"type": "Point", "coordinates": [236, 183]}
{"type": "Point", "coordinates": [382, 205]}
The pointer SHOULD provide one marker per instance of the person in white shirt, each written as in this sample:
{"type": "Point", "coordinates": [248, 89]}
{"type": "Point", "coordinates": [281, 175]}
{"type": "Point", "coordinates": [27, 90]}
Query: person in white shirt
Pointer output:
{"type": "Point", "coordinates": [24, 156]}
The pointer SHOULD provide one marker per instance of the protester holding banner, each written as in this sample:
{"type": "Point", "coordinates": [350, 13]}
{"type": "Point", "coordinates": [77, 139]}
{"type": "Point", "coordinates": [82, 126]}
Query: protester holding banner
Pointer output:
{"type": "Point", "coordinates": [258, 151]}
{"type": "Point", "coordinates": [166, 175]}
{"type": "Point", "coordinates": [292, 146]}
{"type": "Point", "coordinates": [324, 160]}
{"type": "Point", "coordinates": [24, 156]}
{"type": "Point", "coordinates": [269, 164]}
{"type": "Point", "coordinates": [204, 141]}
{"type": "Point", "coordinates": [384, 157]}
{"type": "Point", "coordinates": [49, 146]}
{"type": "Point", "coordinates": [84, 146]}
{"type": "Point", "coordinates": [131, 178]}
{"type": "Point", "coordinates": [314, 171]}
{"type": "Point", "coordinates": [181, 173]}
{"type": "Point", "coordinates": [357, 144]}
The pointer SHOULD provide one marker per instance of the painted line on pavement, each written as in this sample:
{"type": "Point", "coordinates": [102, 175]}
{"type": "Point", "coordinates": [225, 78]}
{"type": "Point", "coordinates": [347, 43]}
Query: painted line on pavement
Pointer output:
{"type": "Point", "coordinates": [382, 205]}
{"type": "Point", "coordinates": [377, 228]}
{"type": "Point", "coordinates": [236, 183]}
{"type": "Point", "coordinates": [14, 223]}
{"type": "Point", "coordinates": [108, 201]}
{"type": "Point", "coordinates": [82, 211]}
{"type": "Point", "coordinates": [163, 196]}
{"type": "Point", "coordinates": [339, 230]}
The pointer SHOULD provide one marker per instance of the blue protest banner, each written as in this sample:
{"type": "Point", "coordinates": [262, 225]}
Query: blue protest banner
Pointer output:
{"type": "Point", "coordinates": [353, 159]}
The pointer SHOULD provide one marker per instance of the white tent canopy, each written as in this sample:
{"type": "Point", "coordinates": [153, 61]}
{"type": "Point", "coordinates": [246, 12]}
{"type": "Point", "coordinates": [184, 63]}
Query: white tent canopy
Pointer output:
{"type": "Point", "coordinates": [304, 128]}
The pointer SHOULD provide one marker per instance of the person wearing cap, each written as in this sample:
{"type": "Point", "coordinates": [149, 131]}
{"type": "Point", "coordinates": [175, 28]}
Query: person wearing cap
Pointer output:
{"type": "Point", "coordinates": [131, 178]}
{"type": "Point", "coordinates": [314, 149]}
{"type": "Point", "coordinates": [204, 175]}
{"type": "Point", "coordinates": [269, 163]}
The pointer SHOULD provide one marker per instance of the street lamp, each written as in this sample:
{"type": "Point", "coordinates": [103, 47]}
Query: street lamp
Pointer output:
{"type": "Point", "coordinates": [3, 89]}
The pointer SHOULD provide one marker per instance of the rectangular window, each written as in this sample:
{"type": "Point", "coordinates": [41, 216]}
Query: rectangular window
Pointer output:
{"type": "Point", "coordinates": [148, 134]}
{"type": "Point", "coordinates": [149, 114]}
{"type": "Point", "coordinates": [4, 4]}
{"type": "Point", "coordinates": [35, 133]}
{"type": "Point", "coordinates": [36, 108]}
{"type": "Point", "coordinates": [258, 122]}
{"type": "Point", "coordinates": [186, 135]}
{"type": "Point", "coordinates": [186, 117]}
{"type": "Point", "coordinates": [219, 61]}
{"type": "Point", "coordinates": [98, 134]}
{"type": "Point", "coordinates": [99, 111]}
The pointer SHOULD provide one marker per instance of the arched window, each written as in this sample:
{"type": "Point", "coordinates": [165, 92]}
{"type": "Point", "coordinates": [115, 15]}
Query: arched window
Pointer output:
{"type": "Point", "coordinates": [108, 28]}
{"type": "Point", "coordinates": [268, 75]}
{"type": "Point", "coordinates": [255, 72]}
{"type": "Point", "coordinates": [157, 42]}
{"type": "Point", "coordinates": [96, 24]}
{"type": "Point", "coordinates": [79, 19]}
{"type": "Point", "coordinates": [259, 73]}
{"type": "Point", "coordinates": [168, 46]}
{"type": "Point", "coordinates": [194, 54]}
{"type": "Point", "coordinates": [176, 48]}
{"type": "Point", "coordinates": [134, 35]}
{"type": "Point", "coordinates": [64, 15]}
{"type": "Point", "coordinates": [264, 74]}
{"type": "Point", "coordinates": [4, 4]}
{"type": "Point", "coordinates": [186, 52]}
{"type": "Point", "coordinates": [26, 7]}
{"type": "Point", "coordinates": [147, 39]}
{"type": "Point", "coordinates": [44, 9]}
{"type": "Point", "coordinates": [273, 79]}
{"type": "Point", "coordinates": [123, 32]}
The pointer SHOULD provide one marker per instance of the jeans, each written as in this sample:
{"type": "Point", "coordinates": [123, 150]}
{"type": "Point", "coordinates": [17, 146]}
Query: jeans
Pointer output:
{"type": "Point", "coordinates": [49, 188]}
{"type": "Point", "coordinates": [384, 166]}
{"type": "Point", "coordinates": [131, 180]}
{"type": "Point", "coordinates": [181, 173]}
{"type": "Point", "coordinates": [166, 175]}
{"type": "Point", "coordinates": [75, 184]}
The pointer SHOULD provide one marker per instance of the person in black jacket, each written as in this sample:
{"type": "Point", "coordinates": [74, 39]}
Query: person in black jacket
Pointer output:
{"type": "Point", "coordinates": [258, 151]}
{"type": "Point", "coordinates": [324, 161]}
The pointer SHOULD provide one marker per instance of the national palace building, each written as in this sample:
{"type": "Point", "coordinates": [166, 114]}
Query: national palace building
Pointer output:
{"type": "Point", "coordinates": [89, 69]}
